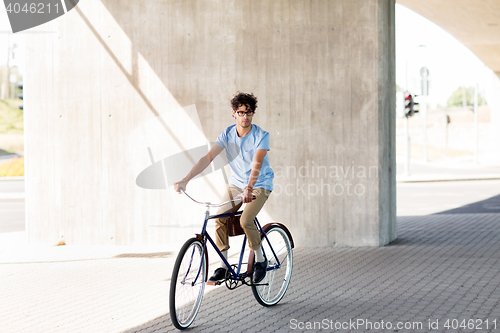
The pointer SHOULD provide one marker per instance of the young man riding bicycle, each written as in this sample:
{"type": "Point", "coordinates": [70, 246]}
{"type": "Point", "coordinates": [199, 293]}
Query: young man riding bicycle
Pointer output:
{"type": "Point", "coordinates": [246, 148]}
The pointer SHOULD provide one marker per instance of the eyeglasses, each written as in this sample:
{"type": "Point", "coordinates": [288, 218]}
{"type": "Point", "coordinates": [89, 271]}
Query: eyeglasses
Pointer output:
{"type": "Point", "coordinates": [243, 113]}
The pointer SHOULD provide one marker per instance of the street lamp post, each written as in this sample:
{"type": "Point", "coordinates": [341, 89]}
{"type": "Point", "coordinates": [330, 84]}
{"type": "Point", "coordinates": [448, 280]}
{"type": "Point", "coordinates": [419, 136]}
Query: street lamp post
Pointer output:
{"type": "Point", "coordinates": [476, 124]}
{"type": "Point", "coordinates": [424, 73]}
{"type": "Point", "coordinates": [7, 71]}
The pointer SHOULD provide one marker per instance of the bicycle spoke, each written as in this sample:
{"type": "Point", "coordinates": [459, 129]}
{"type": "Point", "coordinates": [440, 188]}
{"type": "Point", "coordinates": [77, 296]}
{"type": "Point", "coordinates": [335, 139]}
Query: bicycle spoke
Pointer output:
{"type": "Point", "coordinates": [270, 285]}
{"type": "Point", "coordinates": [187, 284]}
{"type": "Point", "coordinates": [277, 277]}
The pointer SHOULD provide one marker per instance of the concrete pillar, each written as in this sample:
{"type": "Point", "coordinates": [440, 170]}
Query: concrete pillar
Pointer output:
{"type": "Point", "coordinates": [324, 75]}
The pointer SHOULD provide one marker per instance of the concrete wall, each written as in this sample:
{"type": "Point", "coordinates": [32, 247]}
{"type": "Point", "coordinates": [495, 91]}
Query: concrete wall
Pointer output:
{"type": "Point", "coordinates": [324, 75]}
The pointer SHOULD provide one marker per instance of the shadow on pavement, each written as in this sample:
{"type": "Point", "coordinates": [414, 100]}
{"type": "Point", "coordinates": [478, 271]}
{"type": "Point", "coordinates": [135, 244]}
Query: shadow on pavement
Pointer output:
{"type": "Point", "coordinates": [490, 205]}
{"type": "Point", "coordinates": [450, 230]}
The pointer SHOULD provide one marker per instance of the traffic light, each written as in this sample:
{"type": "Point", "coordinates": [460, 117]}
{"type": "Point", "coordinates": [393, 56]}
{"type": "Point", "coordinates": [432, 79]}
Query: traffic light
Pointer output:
{"type": "Point", "coordinates": [410, 105]}
{"type": "Point", "coordinates": [416, 108]}
{"type": "Point", "coordinates": [20, 86]}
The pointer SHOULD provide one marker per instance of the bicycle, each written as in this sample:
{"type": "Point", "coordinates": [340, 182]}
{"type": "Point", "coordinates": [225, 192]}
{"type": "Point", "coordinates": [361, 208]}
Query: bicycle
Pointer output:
{"type": "Point", "coordinates": [191, 267]}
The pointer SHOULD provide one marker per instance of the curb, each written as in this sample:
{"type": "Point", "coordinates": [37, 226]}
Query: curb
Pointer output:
{"type": "Point", "coordinates": [8, 157]}
{"type": "Point", "coordinates": [11, 178]}
{"type": "Point", "coordinates": [438, 178]}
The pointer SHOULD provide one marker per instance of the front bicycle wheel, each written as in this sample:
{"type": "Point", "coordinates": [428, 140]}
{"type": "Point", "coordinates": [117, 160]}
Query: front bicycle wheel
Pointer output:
{"type": "Point", "coordinates": [187, 284]}
{"type": "Point", "coordinates": [272, 288]}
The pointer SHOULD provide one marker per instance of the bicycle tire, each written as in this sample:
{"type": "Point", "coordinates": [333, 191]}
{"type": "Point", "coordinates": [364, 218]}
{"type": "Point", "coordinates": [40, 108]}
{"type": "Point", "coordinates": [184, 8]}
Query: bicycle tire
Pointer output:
{"type": "Point", "coordinates": [185, 298]}
{"type": "Point", "coordinates": [277, 279]}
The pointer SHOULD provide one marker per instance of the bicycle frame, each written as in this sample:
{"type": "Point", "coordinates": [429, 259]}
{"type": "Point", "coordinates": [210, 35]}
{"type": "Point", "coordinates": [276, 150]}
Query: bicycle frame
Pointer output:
{"type": "Point", "coordinates": [234, 275]}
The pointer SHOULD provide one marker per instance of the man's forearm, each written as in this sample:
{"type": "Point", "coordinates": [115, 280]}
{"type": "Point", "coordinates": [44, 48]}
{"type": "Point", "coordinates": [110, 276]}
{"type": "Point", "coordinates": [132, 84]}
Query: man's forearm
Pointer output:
{"type": "Point", "coordinates": [198, 168]}
{"type": "Point", "coordinates": [256, 166]}
{"type": "Point", "coordinates": [254, 175]}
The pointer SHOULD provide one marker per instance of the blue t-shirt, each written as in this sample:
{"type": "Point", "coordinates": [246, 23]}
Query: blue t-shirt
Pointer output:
{"type": "Point", "coordinates": [240, 153]}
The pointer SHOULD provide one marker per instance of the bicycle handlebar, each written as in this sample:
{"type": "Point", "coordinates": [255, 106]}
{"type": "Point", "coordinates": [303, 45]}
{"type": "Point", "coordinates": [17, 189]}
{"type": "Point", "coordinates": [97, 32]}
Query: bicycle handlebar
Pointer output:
{"type": "Point", "coordinates": [208, 204]}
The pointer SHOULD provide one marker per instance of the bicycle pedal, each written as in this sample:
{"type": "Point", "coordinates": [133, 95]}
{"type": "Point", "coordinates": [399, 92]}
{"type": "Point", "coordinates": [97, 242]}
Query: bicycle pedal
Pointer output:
{"type": "Point", "coordinates": [214, 283]}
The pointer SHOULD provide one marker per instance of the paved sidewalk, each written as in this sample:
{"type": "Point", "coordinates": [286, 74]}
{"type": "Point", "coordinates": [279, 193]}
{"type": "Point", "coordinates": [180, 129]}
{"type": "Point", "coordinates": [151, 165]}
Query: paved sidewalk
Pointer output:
{"type": "Point", "coordinates": [446, 171]}
{"type": "Point", "coordinates": [441, 268]}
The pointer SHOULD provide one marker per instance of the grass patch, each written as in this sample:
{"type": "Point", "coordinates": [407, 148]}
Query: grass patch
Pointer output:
{"type": "Point", "coordinates": [11, 117]}
{"type": "Point", "coordinates": [12, 168]}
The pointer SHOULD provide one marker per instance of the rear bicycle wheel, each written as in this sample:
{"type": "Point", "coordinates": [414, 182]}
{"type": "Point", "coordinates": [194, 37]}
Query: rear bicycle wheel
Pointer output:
{"type": "Point", "coordinates": [274, 285]}
{"type": "Point", "coordinates": [185, 293]}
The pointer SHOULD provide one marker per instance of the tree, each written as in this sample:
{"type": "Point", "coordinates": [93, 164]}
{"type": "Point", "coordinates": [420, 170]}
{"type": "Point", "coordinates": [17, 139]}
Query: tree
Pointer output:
{"type": "Point", "coordinates": [456, 99]}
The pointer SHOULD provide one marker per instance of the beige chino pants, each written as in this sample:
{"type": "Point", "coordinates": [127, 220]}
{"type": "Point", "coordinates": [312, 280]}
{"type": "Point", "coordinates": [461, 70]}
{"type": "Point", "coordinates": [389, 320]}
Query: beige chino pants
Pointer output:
{"type": "Point", "coordinates": [246, 220]}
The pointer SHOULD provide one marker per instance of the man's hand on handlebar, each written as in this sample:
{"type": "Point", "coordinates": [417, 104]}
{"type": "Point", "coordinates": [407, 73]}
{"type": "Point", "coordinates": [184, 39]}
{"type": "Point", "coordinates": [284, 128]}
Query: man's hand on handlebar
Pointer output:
{"type": "Point", "coordinates": [247, 195]}
{"type": "Point", "coordinates": [180, 186]}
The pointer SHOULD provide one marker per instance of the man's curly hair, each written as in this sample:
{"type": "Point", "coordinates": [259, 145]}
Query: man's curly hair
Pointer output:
{"type": "Point", "coordinates": [249, 100]}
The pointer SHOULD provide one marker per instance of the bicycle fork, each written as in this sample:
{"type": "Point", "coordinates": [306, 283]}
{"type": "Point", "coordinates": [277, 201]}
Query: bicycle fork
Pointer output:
{"type": "Point", "coordinates": [278, 264]}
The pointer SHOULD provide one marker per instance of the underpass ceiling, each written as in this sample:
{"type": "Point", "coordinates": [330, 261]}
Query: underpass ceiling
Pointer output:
{"type": "Point", "coordinates": [475, 23]}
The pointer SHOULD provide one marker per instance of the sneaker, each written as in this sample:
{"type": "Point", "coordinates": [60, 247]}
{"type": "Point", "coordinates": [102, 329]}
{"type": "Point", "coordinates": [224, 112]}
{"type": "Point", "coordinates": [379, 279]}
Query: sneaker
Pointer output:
{"type": "Point", "coordinates": [259, 271]}
{"type": "Point", "coordinates": [219, 274]}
